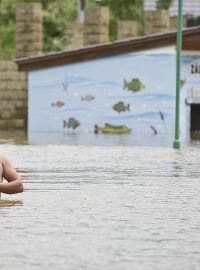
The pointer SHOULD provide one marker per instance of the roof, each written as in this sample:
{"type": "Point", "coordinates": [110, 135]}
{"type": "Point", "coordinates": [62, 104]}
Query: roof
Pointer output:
{"type": "Point", "coordinates": [190, 7]}
{"type": "Point", "coordinates": [191, 41]}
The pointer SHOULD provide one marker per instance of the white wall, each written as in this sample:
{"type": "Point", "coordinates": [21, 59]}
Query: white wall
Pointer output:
{"type": "Point", "coordinates": [103, 80]}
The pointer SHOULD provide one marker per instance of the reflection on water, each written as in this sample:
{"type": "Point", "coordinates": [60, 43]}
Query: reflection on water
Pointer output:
{"type": "Point", "coordinates": [13, 136]}
{"type": "Point", "coordinates": [70, 138]}
{"type": "Point", "coordinates": [9, 203]}
{"type": "Point", "coordinates": [92, 207]}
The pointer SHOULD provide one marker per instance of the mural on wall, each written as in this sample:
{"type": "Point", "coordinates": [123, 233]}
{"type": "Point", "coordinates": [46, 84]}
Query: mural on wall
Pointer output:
{"type": "Point", "coordinates": [128, 94]}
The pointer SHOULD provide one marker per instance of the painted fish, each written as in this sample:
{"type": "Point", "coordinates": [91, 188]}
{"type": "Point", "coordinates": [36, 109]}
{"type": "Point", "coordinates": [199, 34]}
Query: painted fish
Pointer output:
{"type": "Point", "coordinates": [182, 83]}
{"type": "Point", "coordinates": [87, 98]}
{"type": "Point", "coordinates": [121, 107]}
{"type": "Point", "coordinates": [65, 86]}
{"type": "Point", "coordinates": [112, 129]}
{"type": "Point", "coordinates": [58, 104]}
{"type": "Point", "coordinates": [71, 123]}
{"type": "Point", "coordinates": [134, 85]}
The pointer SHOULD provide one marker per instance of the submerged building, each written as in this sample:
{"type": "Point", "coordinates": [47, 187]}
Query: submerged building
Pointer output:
{"type": "Point", "coordinates": [121, 92]}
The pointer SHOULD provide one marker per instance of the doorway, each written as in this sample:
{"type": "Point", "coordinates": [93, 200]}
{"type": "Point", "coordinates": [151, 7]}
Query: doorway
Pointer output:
{"type": "Point", "coordinates": [195, 121]}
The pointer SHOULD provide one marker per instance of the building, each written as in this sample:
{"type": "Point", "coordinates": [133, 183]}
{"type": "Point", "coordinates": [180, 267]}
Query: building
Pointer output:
{"type": "Point", "coordinates": [115, 93]}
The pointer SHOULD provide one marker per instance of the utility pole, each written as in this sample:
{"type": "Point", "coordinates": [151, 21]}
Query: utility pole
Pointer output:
{"type": "Point", "coordinates": [80, 10]}
{"type": "Point", "coordinates": [176, 143]}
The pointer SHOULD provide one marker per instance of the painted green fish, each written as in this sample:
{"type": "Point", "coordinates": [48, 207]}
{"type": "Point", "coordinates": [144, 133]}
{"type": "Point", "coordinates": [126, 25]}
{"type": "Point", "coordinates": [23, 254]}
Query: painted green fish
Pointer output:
{"type": "Point", "coordinates": [121, 107]}
{"type": "Point", "coordinates": [71, 123]}
{"type": "Point", "coordinates": [134, 85]}
{"type": "Point", "coordinates": [182, 83]}
{"type": "Point", "coordinates": [112, 129]}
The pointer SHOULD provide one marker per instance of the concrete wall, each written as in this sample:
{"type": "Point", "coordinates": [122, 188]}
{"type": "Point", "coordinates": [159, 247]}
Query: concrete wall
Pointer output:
{"type": "Point", "coordinates": [74, 35]}
{"type": "Point", "coordinates": [29, 38]}
{"type": "Point", "coordinates": [141, 99]}
{"type": "Point", "coordinates": [127, 29]}
{"type": "Point", "coordinates": [156, 21]}
{"type": "Point", "coordinates": [13, 97]}
{"type": "Point", "coordinates": [174, 23]}
{"type": "Point", "coordinates": [96, 25]}
{"type": "Point", "coordinates": [13, 84]}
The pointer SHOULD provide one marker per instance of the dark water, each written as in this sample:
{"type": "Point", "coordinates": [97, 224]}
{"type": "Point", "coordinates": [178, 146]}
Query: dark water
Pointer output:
{"type": "Point", "coordinates": [91, 207]}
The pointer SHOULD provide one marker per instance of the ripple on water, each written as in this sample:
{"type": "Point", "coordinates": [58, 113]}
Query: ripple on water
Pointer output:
{"type": "Point", "coordinates": [102, 208]}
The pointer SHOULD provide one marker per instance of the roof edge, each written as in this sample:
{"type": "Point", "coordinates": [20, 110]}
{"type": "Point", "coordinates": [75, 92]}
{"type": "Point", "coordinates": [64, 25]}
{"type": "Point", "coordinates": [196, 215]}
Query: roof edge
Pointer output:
{"type": "Point", "coordinates": [102, 50]}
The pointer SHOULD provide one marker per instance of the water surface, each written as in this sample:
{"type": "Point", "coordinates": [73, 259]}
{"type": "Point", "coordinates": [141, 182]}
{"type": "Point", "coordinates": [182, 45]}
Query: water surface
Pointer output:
{"type": "Point", "coordinates": [92, 207]}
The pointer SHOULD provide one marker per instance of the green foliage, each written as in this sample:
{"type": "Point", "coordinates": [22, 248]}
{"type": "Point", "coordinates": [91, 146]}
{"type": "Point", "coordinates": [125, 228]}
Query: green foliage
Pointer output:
{"type": "Point", "coordinates": [56, 13]}
{"type": "Point", "coordinates": [123, 10]}
{"type": "Point", "coordinates": [7, 41]}
{"type": "Point", "coordinates": [7, 30]}
{"type": "Point", "coordinates": [163, 4]}
{"type": "Point", "coordinates": [193, 22]}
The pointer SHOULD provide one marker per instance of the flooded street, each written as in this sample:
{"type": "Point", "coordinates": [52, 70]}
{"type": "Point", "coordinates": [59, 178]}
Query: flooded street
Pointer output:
{"type": "Point", "coordinates": [91, 207]}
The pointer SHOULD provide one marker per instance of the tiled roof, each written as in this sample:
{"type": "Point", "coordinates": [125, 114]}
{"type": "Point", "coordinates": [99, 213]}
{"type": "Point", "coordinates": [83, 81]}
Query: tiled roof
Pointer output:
{"type": "Point", "coordinates": [190, 7]}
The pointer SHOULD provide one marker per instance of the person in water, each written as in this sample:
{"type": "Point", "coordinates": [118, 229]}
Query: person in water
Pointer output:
{"type": "Point", "coordinates": [8, 172]}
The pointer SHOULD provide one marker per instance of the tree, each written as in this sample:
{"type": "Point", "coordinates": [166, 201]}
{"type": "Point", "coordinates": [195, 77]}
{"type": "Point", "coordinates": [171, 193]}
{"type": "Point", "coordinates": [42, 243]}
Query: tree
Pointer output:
{"type": "Point", "coordinates": [56, 13]}
{"type": "Point", "coordinates": [7, 29]}
{"type": "Point", "coordinates": [55, 17]}
{"type": "Point", "coordinates": [163, 4]}
{"type": "Point", "coordinates": [193, 21]}
{"type": "Point", "coordinates": [123, 10]}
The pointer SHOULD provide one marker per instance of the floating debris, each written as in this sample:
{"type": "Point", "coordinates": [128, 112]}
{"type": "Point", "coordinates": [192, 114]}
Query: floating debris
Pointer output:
{"type": "Point", "coordinates": [71, 123]}
{"type": "Point", "coordinates": [58, 104]}
{"type": "Point", "coordinates": [112, 129]}
{"type": "Point", "coordinates": [121, 107]}
{"type": "Point", "coordinates": [134, 85]}
{"type": "Point", "coordinates": [88, 98]}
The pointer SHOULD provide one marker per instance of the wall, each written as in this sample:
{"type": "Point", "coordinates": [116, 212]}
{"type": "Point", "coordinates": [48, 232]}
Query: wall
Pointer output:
{"type": "Point", "coordinates": [13, 84]}
{"type": "Point", "coordinates": [127, 29]}
{"type": "Point", "coordinates": [74, 35]}
{"type": "Point", "coordinates": [156, 21]}
{"type": "Point", "coordinates": [96, 22]}
{"type": "Point", "coordinates": [29, 29]}
{"type": "Point", "coordinates": [87, 94]}
{"type": "Point", "coordinates": [13, 97]}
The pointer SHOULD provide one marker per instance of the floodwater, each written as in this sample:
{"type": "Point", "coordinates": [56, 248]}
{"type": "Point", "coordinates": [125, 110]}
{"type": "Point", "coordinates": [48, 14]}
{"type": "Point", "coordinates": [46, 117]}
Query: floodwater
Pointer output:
{"type": "Point", "coordinates": [92, 207]}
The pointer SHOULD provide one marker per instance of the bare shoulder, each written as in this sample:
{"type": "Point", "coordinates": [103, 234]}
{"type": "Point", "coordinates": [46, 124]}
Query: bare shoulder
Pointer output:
{"type": "Point", "coordinates": [4, 159]}
{"type": "Point", "coordinates": [8, 170]}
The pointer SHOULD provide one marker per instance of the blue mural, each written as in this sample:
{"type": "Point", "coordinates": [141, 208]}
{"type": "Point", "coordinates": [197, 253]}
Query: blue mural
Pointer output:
{"type": "Point", "coordinates": [131, 95]}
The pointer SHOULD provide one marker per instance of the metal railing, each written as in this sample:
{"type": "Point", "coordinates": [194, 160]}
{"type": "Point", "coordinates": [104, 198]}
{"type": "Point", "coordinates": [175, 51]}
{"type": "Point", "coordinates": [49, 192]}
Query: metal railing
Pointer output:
{"type": "Point", "coordinates": [190, 7]}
